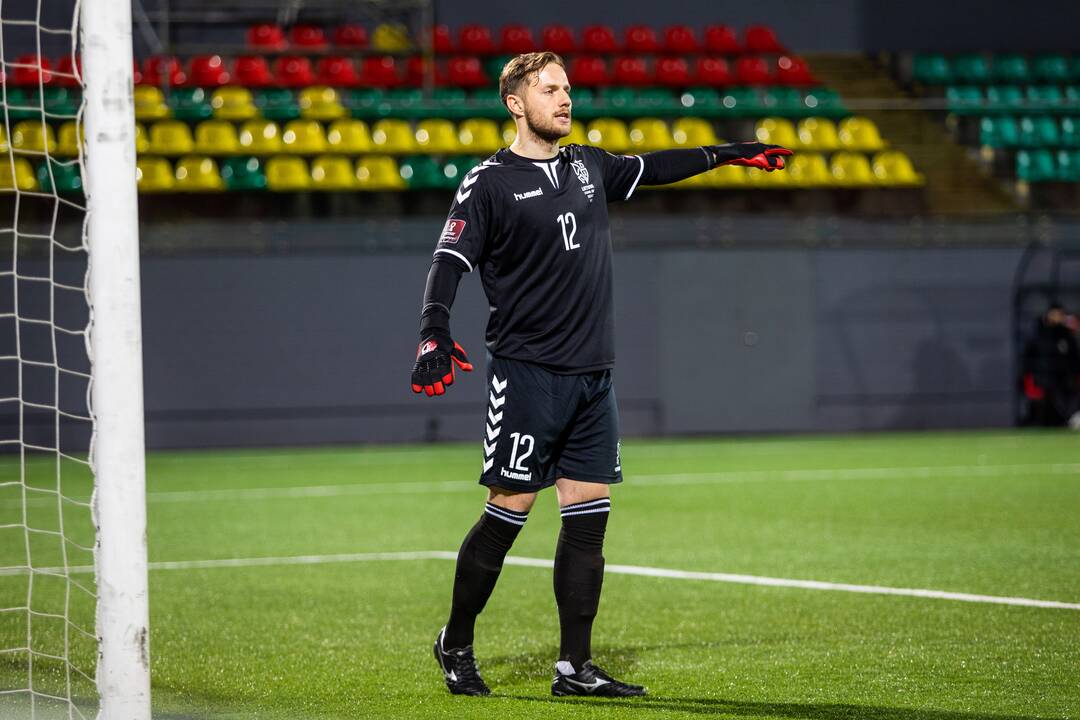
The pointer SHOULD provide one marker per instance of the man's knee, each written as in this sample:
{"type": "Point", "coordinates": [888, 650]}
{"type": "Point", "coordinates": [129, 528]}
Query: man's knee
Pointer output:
{"type": "Point", "coordinates": [517, 501]}
{"type": "Point", "coordinates": [570, 491]}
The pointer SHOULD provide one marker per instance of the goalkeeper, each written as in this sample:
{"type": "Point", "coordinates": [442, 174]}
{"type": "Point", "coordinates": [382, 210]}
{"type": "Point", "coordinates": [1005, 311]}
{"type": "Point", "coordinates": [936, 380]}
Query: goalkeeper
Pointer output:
{"type": "Point", "coordinates": [533, 220]}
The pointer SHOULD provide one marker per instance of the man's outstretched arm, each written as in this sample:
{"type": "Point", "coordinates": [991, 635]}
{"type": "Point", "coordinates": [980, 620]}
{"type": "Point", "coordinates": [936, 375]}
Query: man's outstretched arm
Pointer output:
{"type": "Point", "coordinates": [437, 353]}
{"type": "Point", "coordinates": [669, 166]}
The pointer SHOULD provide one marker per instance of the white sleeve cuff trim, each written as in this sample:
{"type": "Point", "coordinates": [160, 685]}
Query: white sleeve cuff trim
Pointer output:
{"type": "Point", "coordinates": [456, 254]}
{"type": "Point", "coordinates": [640, 170]}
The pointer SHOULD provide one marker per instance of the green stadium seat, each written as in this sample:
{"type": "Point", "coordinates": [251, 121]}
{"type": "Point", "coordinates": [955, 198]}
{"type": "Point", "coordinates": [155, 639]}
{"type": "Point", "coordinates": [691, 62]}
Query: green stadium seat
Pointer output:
{"type": "Point", "coordinates": [1051, 69]}
{"type": "Point", "coordinates": [1072, 98]}
{"type": "Point", "coordinates": [198, 174]}
{"type": "Point", "coordinates": [493, 66]}
{"type": "Point", "coordinates": [742, 101]}
{"type": "Point", "coordinates": [190, 104]}
{"type": "Point", "coordinates": [1070, 132]}
{"type": "Point", "coordinates": [457, 167]}
{"type": "Point", "coordinates": [62, 101]}
{"type": "Point", "coordinates": [287, 173]}
{"type": "Point", "coordinates": [972, 68]}
{"type": "Point", "coordinates": [701, 101]}
{"type": "Point", "coordinates": [1045, 98]}
{"type": "Point", "coordinates": [154, 175]}
{"type": "Point", "coordinates": [1068, 163]}
{"type": "Point", "coordinates": [423, 173]}
{"type": "Point", "coordinates": [451, 103]}
{"type": "Point", "coordinates": [999, 132]}
{"type": "Point", "coordinates": [332, 173]}
{"type": "Point", "coordinates": [964, 99]}
{"type": "Point", "coordinates": [243, 173]}
{"type": "Point", "coordinates": [67, 176]}
{"type": "Point", "coordinates": [1011, 69]}
{"type": "Point", "coordinates": [365, 103]}
{"type": "Point", "coordinates": [487, 103]}
{"type": "Point", "coordinates": [784, 101]}
{"type": "Point", "coordinates": [277, 104]}
{"type": "Point", "coordinates": [1040, 131]}
{"type": "Point", "coordinates": [617, 102]}
{"type": "Point", "coordinates": [406, 103]}
{"type": "Point", "coordinates": [21, 105]}
{"type": "Point", "coordinates": [1035, 166]}
{"type": "Point", "coordinates": [931, 69]}
{"type": "Point", "coordinates": [824, 101]}
{"type": "Point", "coordinates": [657, 101]}
{"type": "Point", "coordinates": [1074, 67]}
{"type": "Point", "coordinates": [1005, 98]}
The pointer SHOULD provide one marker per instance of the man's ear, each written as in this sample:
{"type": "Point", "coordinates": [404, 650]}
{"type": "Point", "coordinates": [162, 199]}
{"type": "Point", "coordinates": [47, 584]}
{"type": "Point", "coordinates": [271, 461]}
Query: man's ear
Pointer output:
{"type": "Point", "coordinates": [515, 105]}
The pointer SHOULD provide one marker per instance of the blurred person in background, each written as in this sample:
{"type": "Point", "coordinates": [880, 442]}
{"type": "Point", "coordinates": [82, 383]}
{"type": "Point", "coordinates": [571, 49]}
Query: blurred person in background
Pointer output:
{"type": "Point", "coordinates": [1052, 370]}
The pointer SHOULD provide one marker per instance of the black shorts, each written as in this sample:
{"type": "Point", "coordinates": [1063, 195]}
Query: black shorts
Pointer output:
{"type": "Point", "coordinates": [541, 426]}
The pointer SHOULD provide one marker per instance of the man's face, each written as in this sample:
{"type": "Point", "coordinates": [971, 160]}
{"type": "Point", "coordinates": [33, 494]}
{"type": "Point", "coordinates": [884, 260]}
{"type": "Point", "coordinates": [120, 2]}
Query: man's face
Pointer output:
{"type": "Point", "coordinates": [546, 99]}
{"type": "Point", "coordinates": [1055, 316]}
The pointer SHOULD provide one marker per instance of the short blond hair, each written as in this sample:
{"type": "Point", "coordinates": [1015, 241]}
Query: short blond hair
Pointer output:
{"type": "Point", "coordinates": [519, 69]}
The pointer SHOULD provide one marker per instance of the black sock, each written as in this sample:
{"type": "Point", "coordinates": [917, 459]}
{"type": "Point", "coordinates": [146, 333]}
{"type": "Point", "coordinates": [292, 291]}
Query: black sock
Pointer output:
{"type": "Point", "coordinates": [579, 575]}
{"type": "Point", "coordinates": [478, 565]}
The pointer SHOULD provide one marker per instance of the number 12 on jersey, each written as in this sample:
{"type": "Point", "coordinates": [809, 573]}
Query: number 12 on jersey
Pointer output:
{"type": "Point", "coordinates": [568, 223]}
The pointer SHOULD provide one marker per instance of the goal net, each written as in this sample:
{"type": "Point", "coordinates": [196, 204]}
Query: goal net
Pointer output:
{"type": "Point", "coordinates": [73, 627]}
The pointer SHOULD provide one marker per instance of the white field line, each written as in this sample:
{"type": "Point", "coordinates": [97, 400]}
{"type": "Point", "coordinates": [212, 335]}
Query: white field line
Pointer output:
{"type": "Point", "coordinates": [611, 569]}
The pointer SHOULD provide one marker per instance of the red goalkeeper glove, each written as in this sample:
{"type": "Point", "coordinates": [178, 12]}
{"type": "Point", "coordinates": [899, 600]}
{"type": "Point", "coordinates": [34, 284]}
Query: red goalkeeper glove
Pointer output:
{"type": "Point", "coordinates": [436, 357]}
{"type": "Point", "coordinates": [749, 154]}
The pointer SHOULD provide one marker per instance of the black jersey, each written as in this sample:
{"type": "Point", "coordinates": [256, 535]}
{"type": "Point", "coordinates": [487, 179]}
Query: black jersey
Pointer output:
{"type": "Point", "coordinates": [538, 232]}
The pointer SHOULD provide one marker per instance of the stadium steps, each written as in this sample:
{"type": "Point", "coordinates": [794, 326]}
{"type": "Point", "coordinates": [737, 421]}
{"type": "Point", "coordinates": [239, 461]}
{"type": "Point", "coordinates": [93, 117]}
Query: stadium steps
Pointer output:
{"type": "Point", "coordinates": [956, 183]}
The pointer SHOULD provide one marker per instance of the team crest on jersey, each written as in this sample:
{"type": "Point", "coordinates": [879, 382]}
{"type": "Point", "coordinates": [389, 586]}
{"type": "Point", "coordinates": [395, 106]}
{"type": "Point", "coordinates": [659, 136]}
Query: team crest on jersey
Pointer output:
{"type": "Point", "coordinates": [582, 173]}
{"type": "Point", "coordinates": [451, 232]}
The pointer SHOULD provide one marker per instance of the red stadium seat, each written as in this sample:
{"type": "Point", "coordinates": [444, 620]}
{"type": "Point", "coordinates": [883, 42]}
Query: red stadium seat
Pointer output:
{"type": "Point", "coordinates": [266, 37]}
{"type": "Point", "coordinates": [559, 39]}
{"type": "Point", "coordinates": [66, 72]}
{"type": "Point", "coordinates": [37, 70]}
{"type": "Point", "coordinates": [466, 72]}
{"type": "Point", "coordinates": [415, 68]}
{"type": "Point", "coordinates": [308, 37]}
{"type": "Point", "coordinates": [721, 39]}
{"type": "Point", "coordinates": [680, 39]}
{"type": "Point", "coordinates": [476, 39]}
{"type": "Point", "coordinates": [791, 70]}
{"type": "Point", "coordinates": [252, 71]}
{"type": "Point", "coordinates": [631, 71]}
{"type": "Point", "coordinates": [379, 71]}
{"type": "Point", "coordinates": [336, 71]}
{"type": "Point", "coordinates": [163, 70]}
{"type": "Point", "coordinates": [641, 39]}
{"type": "Point", "coordinates": [673, 72]}
{"type": "Point", "coordinates": [351, 36]}
{"type": "Point", "coordinates": [713, 71]}
{"type": "Point", "coordinates": [208, 71]}
{"type": "Point", "coordinates": [442, 41]}
{"type": "Point", "coordinates": [137, 75]}
{"type": "Point", "coordinates": [517, 39]}
{"type": "Point", "coordinates": [762, 39]}
{"type": "Point", "coordinates": [293, 71]}
{"type": "Point", "coordinates": [752, 70]}
{"type": "Point", "coordinates": [599, 39]}
{"type": "Point", "coordinates": [589, 71]}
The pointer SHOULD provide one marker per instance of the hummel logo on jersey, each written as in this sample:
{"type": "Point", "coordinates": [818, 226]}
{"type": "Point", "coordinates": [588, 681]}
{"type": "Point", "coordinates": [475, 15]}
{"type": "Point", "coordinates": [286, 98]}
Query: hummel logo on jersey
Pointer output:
{"type": "Point", "coordinates": [531, 194]}
{"type": "Point", "coordinates": [452, 231]}
{"type": "Point", "coordinates": [582, 173]}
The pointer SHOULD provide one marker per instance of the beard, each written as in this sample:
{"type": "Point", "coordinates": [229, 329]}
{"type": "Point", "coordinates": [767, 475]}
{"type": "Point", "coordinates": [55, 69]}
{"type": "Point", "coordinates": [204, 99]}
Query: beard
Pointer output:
{"type": "Point", "coordinates": [544, 128]}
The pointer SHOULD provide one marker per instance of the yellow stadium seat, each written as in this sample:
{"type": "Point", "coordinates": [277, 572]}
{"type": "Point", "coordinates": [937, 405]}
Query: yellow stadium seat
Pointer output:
{"type": "Point", "coordinates": [479, 136]}
{"type": "Point", "coordinates": [576, 137]}
{"type": "Point", "coordinates": [726, 176]}
{"type": "Point", "coordinates": [861, 134]}
{"type": "Point", "coordinates": [260, 137]}
{"type": "Point", "coordinates": [320, 102]}
{"type": "Point", "coordinates": [851, 169]}
{"type": "Point", "coordinates": [350, 137]}
{"type": "Point", "coordinates": [142, 142]}
{"type": "Point", "coordinates": [610, 134]}
{"type": "Point", "coordinates": [171, 137]}
{"type": "Point", "coordinates": [32, 136]}
{"type": "Point", "coordinates": [332, 172]}
{"type": "Point", "coordinates": [303, 137]}
{"type": "Point", "coordinates": [393, 136]}
{"type": "Point", "coordinates": [22, 178]}
{"type": "Point", "coordinates": [233, 103]}
{"type": "Point", "coordinates": [195, 173]}
{"type": "Point", "coordinates": [693, 132]}
{"type": "Point", "coordinates": [776, 131]}
{"type": "Point", "coordinates": [378, 172]}
{"type": "Point", "coordinates": [216, 137]}
{"type": "Point", "coordinates": [894, 168]}
{"type": "Point", "coordinates": [648, 134]}
{"type": "Point", "coordinates": [154, 174]}
{"type": "Point", "coordinates": [809, 170]}
{"type": "Point", "coordinates": [68, 139]}
{"type": "Point", "coordinates": [150, 103]}
{"type": "Point", "coordinates": [390, 38]}
{"type": "Point", "coordinates": [818, 134]}
{"type": "Point", "coordinates": [3, 139]}
{"type": "Point", "coordinates": [768, 180]}
{"type": "Point", "coordinates": [509, 133]}
{"type": "Point", "coordinates": [287, 174]}
{"type": "Point", "coordinates": [439, 137]}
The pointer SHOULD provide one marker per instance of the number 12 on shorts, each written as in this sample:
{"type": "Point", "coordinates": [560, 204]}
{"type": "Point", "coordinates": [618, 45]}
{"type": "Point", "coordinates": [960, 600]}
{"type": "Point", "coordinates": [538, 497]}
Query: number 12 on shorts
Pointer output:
{"type": "Point", "coordinates": [519, 441]}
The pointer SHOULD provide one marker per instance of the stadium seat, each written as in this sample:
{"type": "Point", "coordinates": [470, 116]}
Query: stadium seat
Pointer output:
{"type": "Point", "coordinates": [558, 39]}
{"type": "Point", "coordinates": [391, 38]}
{"type": "Point", "coordinates": [277, 104]}
{"type": "Point", "coordinates": [142, 139]}
{"type": "Point", "coordinates": [252, 71]}
{"type": "Point", "coordinates": [308, 38]}
{"type": "Point", "coordinates": [422, 173]}
{"type": "Point", "coordinates": [1068, 165]}
{"type": "Point", "coordinates": [762, 39]}
{"type": "Point", "coordinates": [1072, 98]}
{"type": "Point", "coordinates": [418, 69]}
{"type": "Point", "coordinates": [752, 70]}
{"type": "Point", "coordinates": [1041, 131]}
{"type": "Point", "coordinates": [4, 147]}
{"type": "Point", "coordinates": [851, 169]}
{"type": "Point", "coordinates": [999, 132]}
{"type": "Point", "coordinates": [577, 135]}
{"type": "Point", "coordinates": [438, 137]}
{"type": "Point", "coordinates": [348, 137]}
{"type": "Point", "coordinates": [233, 103]}
{"type": "Point", "coordinates": [33, 136]}
{"type": "Point", "coordinates": [713, 71]}
{"type": "Point", "coordinates": [776, 131]}
{"type": "Point", "coordinates": [721, 39]}
{"type": "Point", "coordinates": [618, 101]}
{"type": "Point", "coordinates": [154, 174]}
{"type": "Point", "coordinates": [1035, 166]}
{"type": "Point", "coordinates": [1011, 69]}
{"type": "Point", "coordinates": [159, 70]}
{"type": "Point", "coordinates": [68, 72]}
{"type": "Point", "coordinates": [287, 174]}
{"type": "Point", "coordinates": [818, 134]}
{"type": "Point", "coordinates": [768, 180]}
{"type": "Point", "coordinates": [458, 167]}
{"type": "Point", "coordinates": [266, 37]}
{"type": "Point", "coordinates": [479, 136]}
{"type": "Point", "coordinates": [726, 176]}
{"type": "Point", "coordinates": [631, 71]}
{"type": "Point", "coordinates": [859, 133]}
{"type": "Point", "coordinates": [171, 137]}
{"type": "Point", "coordinates": [1051, 68]}
{"type": "Point", "coordinates": [320, 102]}
{"type": "Point", "coordinates": [673, 72]}
{"type": "Point", "coordinates": [681, 40]}
{"type": "Point", "coordinates": [332, 172]}
{"type": "Point", "coordinates": [693, 132]}
{"type": "Point", "coordinates": [822, 100]}
{"type": "Point", "coordinates": [1005, 98]}
{"type": "Point", "coordinates": [1044, 98]}
{"type": "Point", "coordinates": [786, 101]}
{"type": "Point", "coordinates": [17, 174]}
{"type": "Point", "coordinates": [378, 172]}
{"type": "Point", "coordinates": [61, 101]}
{"type": "Point", "coordinates": [405, 103]}
{"type": "Point", "coordinates": [517, 39]}
{"type": "Point", "coordinates": [393, 136]}
{"type": "Point", "coordinates": [589, 71]}
{"type": "Point", "coordinates": [599, 39]}
{"type": "Point", "coordinates": [893, 168]}
{"type": "Point", "coordinates": [149, 103]}
{"type": "Point", "coordinates": [198, 174]}
{"type": "Point", "coordinates": [1070, 132]}
{"type": "Point", "coordinates": [293, 71]}
{"type": "Point", "coordinates": [466, 72]}
{"type": "Point", "coordinates": [351, 36]}
{"type": "Point", "coordinates": [742, 101]}
{"type": "Point", "coordinates": [964, 99]}
{"type": "Point", "coordinates": [208, 71]}
{"type": "Point", "coordinates": [243, 173]}
{"type": "Point", "coordinates": [809, 170]}
{"type": "Point", "coordinates": [794, 71]}
{"type": "Point", "coordinates": [609, 133]}
{"type": "Point", "coordinates": [648, 134]}
{"type": "Point", "coordinates": [22, 104]}
{"type": "Point", "coordinates": [336, 71]}
{"type": "Point", "coordinates": [972, 68]}
{"type": "Point", "coordinates": [303, 137]}
{"type": "Point", "coordinates": [379, 71]}
{"type": "Point", "coordinates": [68, 140]}
{"type": "Point", "coordinates": [216, 137]}
{"type": "Point", "coordinates": [61, 177]}
{"type": "Point", "coordinates": [441, 40]}
{"type": "Point", "coordinates": [260, 137]}
{"type": "Point", "coordinates": [640, 39]}
{"type": "Point", "coordinates": [476, 39]}
{"type": "Point", "coordinates": [190, 104]}
{"type": "Point", "coordinates": [931, 69]}
{"type": "Point", "coordinates": [30, 71]}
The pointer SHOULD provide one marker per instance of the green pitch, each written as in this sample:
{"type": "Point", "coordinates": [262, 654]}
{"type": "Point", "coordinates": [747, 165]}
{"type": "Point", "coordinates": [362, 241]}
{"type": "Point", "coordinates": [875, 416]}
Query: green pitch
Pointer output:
{"type": "Point", "coordinates": [984, 513]}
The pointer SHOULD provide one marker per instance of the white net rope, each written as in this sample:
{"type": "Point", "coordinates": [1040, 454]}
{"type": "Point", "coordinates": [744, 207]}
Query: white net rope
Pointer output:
{"type": "Point", "coordinates": [48, 642]}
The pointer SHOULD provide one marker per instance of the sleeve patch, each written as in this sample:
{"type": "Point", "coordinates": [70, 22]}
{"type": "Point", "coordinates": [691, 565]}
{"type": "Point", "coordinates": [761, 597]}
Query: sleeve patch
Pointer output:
{"type": "Point", "coordinates": [451, 232]}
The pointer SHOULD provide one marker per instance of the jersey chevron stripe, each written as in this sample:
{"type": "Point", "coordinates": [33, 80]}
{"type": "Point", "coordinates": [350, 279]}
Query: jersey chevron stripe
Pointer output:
{"type": "Point", "coordinates": [456, 254]}
{"type": "Point", "coordinates": [638, 178]}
